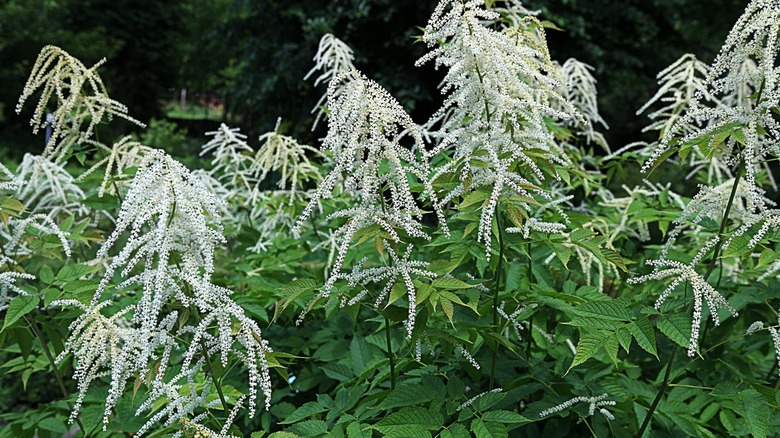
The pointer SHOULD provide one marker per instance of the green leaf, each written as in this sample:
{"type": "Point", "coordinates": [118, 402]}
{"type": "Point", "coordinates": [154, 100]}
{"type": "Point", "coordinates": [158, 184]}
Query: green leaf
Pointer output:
{"type": "Point", "coordinates": [661, 159]}
{"type": "Point", "coordinates": [309, 428]}
{"type": "Point", "coordinates": [599, 323]}
{"type": "Point", "coordinates": [611, 347]}
{"type": "Point", "coordinates": [756, 413]}
{"type": "Point", "coordinates": [739, 245]}
{"type": "Point", "coordinates": [21, 305]}
{"type": "Point", "coordinates": [408, 394]}
{"type": "Point", "coordinates": [338, 371]}
{"type": "Point", "coordinates": [307, 410]}
{"type": "Point", "coordinates": [580, 234]}
{"type": "Point", "coordinates": [487, 400]}
{"type": "Point", "coordinates": [357, 430]}
{"type": "Point", "coordinates": [502, 416]}
{"type": "Point", "coordinates": [291, 292]}
{"type": "Point", "coordinates": [456, 430]}
{"type": "Point", "coordinates": [410, 423]}
{"type": "Point", "coordinates": [590, 342]}
{"type": "Point", "coordinates": [613, 257]}
{"type": "Point", "coordinates": [473, 198]}
{"type": "Point", "coordinates": [46, 275]}
{"type": "Point", "coordinates": [483, 429]}
{"type": "Point", "coordinates": [607, 309]}
{"type": "Point", "coordinates": [106, 202]}
{"type": "Point", "coordinates": [74, 272]}
{"type": "Point", "coordinates": [676, 327]}
{"type": "Point", "coordinates": [283, 435]}
{"type": "Point", "coordinates": [642, 331]}
{"type": "Point", "coordinates": [450, 283]}
{"type": "Point", "coordinates": [624, 338]}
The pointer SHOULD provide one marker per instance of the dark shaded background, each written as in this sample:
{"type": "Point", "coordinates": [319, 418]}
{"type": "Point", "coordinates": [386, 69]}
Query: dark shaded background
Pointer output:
{"type": "Point", "coordinates": [252, 55]}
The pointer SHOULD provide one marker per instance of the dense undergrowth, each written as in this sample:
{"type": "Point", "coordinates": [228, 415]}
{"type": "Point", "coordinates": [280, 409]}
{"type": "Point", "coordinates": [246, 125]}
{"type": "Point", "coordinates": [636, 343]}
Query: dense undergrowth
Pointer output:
{"type": "Point", "coordinates": [476, 274]}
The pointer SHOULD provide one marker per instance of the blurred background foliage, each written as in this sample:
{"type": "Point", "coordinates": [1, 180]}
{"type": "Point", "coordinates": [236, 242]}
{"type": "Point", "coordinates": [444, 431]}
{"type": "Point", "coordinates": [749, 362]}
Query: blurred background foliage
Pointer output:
{"type": "Point", "coordinates": [199, 62]}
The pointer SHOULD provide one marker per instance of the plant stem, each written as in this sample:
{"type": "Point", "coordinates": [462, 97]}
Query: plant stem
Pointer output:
{"type": "Point", "coordinates": [713, 261]}
{"type": "Point", "coordinates": [211, 371]}
{"type": "Point", "coordinates": [38, 334]}
{"type": "Point", "coordinates": [496, 290]}
{"type": "Point", "coordinates": [390, 353]}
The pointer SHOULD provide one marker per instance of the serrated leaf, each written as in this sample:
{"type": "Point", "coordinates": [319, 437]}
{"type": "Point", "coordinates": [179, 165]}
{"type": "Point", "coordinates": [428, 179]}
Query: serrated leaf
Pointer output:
{"type": "Point", "coordinates": [450, 283]}
{"type": "Point", "coordinates": [613, 257]}
{"type": "Point", "coordinates": [676, 327]}
{"type": "Point", "coordinates": [448, 308]}
{"type": "Point", "coordinates": [483, 429]}
{"type": "Point", "coordinates": [590, 342]}
{"type": "Point", "coordinates": [283, 435]}
{"type": "Point", "coordinates": [74, 272]}
{"type": "Point", "coordinates": [756, 413]}
{"type": "Point", "coordinates": [611, 347]}
{"type": "Point", "coordinates": [21, 305]}
{"type": "Point", "coordinates": [580, 234]}
{"type": "Point", "coordinates": [46, 275]}
{"type": "Point", "coordinates": [306, 410]}
{"type": "Point", "coordinates": [408, 394]}
{"type": "Point", "coordinates": [456, 430]}
{"type": "Point", "coordinates": [607, 309]}
{"type": "Point", "coordinates": [397, 291]}
{"type": "Point", "coordinates": [358, 430]}
{"type": "Point", "coordinates": [502, 416]}
{"type": "Point", "coordinates": [516, 214]}
{"type": "Point", "coordinates": [410, 422]}
{"type": "Point", "coordinates": [473, 198]}
{"type": "Point", "coordinates": [292, 291]}
{"type": "Point", "coordinates": [309, 428]}
{"type": "Point", "coordinates": [642, 331]}
{"type": "Point", "coordinates": [624, 338]}
{"type": "Point", "coordinates": [664, 156]}
{"type": "Point", "coordinates": [599, 323]}
{"type": "Point", "coordinates": [739, 245]}
{"type": "Point", "coordinates": [487, 400]}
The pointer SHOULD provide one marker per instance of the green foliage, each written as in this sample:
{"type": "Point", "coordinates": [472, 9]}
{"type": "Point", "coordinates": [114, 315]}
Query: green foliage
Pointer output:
{"type": "Point", "coordinates": [550, 304]}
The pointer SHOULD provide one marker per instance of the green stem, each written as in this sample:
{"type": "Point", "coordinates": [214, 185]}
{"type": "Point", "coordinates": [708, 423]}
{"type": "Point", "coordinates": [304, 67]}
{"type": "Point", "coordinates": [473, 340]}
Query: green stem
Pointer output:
{"type": "Point", "coordinates": [390, 353]}
{"type": "Point", "coordinates": [217, 384]}
{"type": "Point", "coordinates": [38, 334]}
{"type": "Point", "coordinates": [713, 261]}
{"type": "Point", "coordinates": [496, 290]}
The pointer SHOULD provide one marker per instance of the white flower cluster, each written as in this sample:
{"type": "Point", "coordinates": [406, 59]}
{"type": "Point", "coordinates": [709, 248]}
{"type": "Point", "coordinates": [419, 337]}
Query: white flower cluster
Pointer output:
{"type": "Point", "coordinates": [15, 230]}
{"type": "Point", "coordinates": [398, 268]}
{"type": "Point", "coordinates": [283, 154]}
{"type": "Point", "coordinates": [173, 227]}
{"type": "Point", "coordinates": [48, 188]}
{"type": "Point", "coordinates": [470, 401]}
{"type": "Point", "coordinates": [678, 84]}
{"type": "Point", "coordinates": [81, 96]}
{"type": "Point", "coordinates": [753, 38]}
{"type": "Point", "coordinates": [333, 57]}
{"type": "Point", "coordinates": [702, 291]}
{"type": "Point", "coordinates": [580, 90]}
{"type": "Point", "coordinates": [593, 403]}
{"type": "Point", "coordinates": [123, 154]}
{"type": "Point", "coordinates": [238, 170]}
{"type": "Point", "coordinates": [501, 86]}
{"type": "Point", "coordinates": [366, 129]}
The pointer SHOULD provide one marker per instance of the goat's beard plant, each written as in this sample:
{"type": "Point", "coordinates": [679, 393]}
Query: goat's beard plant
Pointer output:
{"type": "Point", "coordinates": [463, 229]}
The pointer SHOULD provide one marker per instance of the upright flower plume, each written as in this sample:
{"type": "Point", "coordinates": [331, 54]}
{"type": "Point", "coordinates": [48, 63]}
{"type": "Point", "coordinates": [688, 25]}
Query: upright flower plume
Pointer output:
{"type": "Point", "coordinates": [173, 228]}
{"type": "Point", "coordinates": [502, 87]}
{"type": "Point", "coordinates": [81, 99]}
{"type": "Point", "coordinates": [366, 129]}
{"type": "Point", "coordinates": [333, 58]}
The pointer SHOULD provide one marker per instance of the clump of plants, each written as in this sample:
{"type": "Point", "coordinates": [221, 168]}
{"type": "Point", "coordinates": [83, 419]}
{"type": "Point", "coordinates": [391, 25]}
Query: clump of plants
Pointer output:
{"type": "Point", "coordinates": [479, 273]}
